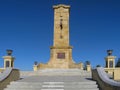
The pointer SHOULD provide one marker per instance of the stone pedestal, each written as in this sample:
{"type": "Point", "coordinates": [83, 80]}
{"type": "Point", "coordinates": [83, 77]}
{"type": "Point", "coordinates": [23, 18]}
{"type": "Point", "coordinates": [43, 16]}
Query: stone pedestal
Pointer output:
{"type": "Point", "coordinates": [35, 68]}
{"type": "Point", "coordinates": [88, 68]}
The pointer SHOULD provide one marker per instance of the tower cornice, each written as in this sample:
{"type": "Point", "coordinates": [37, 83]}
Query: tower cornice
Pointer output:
{"type": "Point", "coordinates": [61, 5]}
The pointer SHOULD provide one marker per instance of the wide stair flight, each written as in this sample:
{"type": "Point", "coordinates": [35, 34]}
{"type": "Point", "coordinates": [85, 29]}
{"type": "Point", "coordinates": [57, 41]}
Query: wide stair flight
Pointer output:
{"type": "Point", "coordinates": [54, 82]}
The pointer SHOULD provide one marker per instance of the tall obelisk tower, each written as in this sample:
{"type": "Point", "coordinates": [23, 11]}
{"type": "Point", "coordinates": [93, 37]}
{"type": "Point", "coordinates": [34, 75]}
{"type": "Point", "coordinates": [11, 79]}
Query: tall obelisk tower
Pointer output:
{"type": "Point", "coordinates": [61, 51]}
{"type": "Point", "coordinates": [61, 25]}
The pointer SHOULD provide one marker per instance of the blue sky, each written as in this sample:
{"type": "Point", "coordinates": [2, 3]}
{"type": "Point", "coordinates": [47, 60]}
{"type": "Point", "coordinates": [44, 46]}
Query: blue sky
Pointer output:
{"type": "Point", "coordinates": [26, 27]}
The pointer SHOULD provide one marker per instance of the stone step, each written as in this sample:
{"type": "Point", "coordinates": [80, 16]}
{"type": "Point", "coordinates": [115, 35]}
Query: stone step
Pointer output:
{"type": "Point", "coordinates": [55, 83]}
{"type": "Point", "coordinates": [56, 79]}
{"type": "Point", "coordinates": [52, 86]}
{"type": "Point", "coordinates": [54, 72]}
{"type": "Point", "coordinates": [71, 89]}
{"type": "Point", "coordinates": [54, 89]}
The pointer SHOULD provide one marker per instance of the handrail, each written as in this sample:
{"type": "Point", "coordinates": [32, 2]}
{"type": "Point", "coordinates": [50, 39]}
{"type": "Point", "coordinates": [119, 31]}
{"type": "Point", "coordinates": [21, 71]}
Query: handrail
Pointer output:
{"type": "Point", "coordinates": [104, 82]}
{"type": "Point", "coordinates": [7, 76]}
{"type": "Point", "coordinates": [105, 78]}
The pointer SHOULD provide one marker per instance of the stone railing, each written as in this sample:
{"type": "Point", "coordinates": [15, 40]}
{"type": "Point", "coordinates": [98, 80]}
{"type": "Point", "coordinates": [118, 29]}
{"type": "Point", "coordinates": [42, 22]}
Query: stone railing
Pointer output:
{"type": "Point", "coordinates": [7, 76]}
{"type": "Point", "coordinates": [104, 82]}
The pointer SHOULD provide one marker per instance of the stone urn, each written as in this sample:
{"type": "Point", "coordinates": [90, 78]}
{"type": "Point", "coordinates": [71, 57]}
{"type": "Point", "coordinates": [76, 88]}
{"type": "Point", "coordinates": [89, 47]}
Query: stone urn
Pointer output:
{"type": "Point", "coordinates": [109, 52]}
{"type": "Point", "coordinates": [9, 52]}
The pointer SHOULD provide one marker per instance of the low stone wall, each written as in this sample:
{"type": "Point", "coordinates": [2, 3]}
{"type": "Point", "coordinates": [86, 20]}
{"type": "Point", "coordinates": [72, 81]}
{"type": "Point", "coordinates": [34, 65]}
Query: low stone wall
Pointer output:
{"type": "Point", "coordinates": [7, 76]}
{"type": "Point", "coordinates": [115, 72]}
{"type": "Point", "coordinates": [109, 70]}
{"type": "Point", "coordinates": [103, 80]}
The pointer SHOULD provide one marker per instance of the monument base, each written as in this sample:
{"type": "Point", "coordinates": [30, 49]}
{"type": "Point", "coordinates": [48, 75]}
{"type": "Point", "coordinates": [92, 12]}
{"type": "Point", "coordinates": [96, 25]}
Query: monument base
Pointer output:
{"type": "Point", "coordinates": [58, 66]}
{"type": "Point", "coordinates": [60, 58]}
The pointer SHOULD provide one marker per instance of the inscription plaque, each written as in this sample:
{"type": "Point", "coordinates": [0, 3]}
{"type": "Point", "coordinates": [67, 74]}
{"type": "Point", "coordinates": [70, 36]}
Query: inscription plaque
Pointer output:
{"type": "Point", "coordinates": [61, 55]}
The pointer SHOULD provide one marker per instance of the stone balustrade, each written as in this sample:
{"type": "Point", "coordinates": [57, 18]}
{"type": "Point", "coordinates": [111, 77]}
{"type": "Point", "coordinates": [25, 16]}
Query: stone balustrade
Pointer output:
{"type": "Point", "coordinates": [7, 76]}
{"type": "Point", "coordinates": [104, 82]}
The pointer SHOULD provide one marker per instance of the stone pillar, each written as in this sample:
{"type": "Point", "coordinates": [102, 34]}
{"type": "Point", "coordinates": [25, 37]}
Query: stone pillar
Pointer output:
{"type": "Point", "coordinates": [110, 60]}
{"type": "Point", "coordinates": [116, 75]}
{"type": "Point", "coordinates": [8, 59]}
{"type": "Point", "coordinates": [35, 66]}
{"type": "Point", "coordinates": [88, 68]}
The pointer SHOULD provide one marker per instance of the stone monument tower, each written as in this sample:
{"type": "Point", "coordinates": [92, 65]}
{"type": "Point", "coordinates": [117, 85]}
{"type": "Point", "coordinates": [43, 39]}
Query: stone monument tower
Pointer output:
{"type": "Point", "coordinates": [8, 59]}
{"type": "Point", "coordinates": [61, 51]}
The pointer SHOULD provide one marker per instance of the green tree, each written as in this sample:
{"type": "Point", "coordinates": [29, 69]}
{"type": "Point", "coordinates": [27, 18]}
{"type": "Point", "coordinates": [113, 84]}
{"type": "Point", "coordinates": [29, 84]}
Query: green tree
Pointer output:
{"type": "Point", "coordinates": [98, 66]}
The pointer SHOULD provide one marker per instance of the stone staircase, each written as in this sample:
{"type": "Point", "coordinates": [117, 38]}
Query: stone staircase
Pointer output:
{"type": "Point", "coordinates": [54, 72]}
{"type": "Point", "coordinates": [59, 80]}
